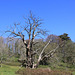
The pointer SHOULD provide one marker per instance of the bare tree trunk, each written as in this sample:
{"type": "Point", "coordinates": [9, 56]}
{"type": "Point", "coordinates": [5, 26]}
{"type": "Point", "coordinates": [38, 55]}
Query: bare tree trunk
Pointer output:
{"type": "Point", "coordinates": [1, 61]}
{"type": "Point", "coordinates": [29, 58]}
{"type": "Point", "coordinates": [37, 64]}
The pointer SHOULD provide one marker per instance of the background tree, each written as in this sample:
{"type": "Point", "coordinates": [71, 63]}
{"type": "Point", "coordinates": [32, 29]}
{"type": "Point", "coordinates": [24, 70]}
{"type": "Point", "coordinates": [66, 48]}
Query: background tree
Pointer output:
{"type": "Point", "coordinates": [3, 50]}
{"type": "Point", "coordinates": [67, 51]}
{"type": "Point", "coordinates": [65, 37]}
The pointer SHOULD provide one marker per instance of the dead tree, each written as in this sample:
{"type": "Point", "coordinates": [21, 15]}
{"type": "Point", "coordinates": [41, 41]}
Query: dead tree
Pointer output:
{"type": "Point", "coordinates": [32, 28]}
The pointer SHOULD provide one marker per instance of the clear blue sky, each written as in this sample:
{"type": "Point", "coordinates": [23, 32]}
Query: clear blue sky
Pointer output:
{"type": "Point", "coordinates": [58, 15]}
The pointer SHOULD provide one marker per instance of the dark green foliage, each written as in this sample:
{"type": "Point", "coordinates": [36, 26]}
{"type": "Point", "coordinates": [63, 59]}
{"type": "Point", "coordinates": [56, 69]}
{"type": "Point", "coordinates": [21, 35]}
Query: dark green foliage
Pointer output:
{"type": "Point", "coordinates": [65, 37]}
{"type": "Point", "coordinates": [44, 61]}
{"type": "Point", "coordinates": [67, 53]}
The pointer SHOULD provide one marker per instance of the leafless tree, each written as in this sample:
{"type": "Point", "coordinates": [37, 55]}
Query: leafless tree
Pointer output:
{"type": "Point", "coordinates": [33, 29]}
{"type": "Point", "coordinates": [3, 50]}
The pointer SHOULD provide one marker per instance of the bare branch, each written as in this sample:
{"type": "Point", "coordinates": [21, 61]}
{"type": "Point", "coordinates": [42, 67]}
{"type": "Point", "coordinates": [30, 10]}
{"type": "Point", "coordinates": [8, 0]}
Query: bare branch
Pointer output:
{"type": "Point", "coordinates": [36, 51]}
{"type": "Point", "coordinates": [40, 56]}
{"type": "Point", "coordinates": [49, 54]}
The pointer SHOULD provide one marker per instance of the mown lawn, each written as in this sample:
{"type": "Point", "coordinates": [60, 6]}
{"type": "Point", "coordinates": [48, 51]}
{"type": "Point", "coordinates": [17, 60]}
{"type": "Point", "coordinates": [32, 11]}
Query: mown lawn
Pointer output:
{"type": "Point", "coordinates": [8, 70]}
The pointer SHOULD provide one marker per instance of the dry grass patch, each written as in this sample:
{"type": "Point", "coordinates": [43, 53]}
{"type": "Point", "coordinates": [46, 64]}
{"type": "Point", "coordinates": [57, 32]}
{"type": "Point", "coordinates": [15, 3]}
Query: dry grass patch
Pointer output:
{"type": "Point", "coordinates": [42, 71]}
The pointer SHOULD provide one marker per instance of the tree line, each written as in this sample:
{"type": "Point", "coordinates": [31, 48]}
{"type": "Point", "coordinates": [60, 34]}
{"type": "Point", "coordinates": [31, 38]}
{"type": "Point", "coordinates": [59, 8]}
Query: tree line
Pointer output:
{"type": "Point", "coordinates": [13, 50]}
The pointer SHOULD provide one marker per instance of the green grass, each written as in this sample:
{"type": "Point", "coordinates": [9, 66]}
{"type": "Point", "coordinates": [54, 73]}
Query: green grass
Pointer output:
{"type": "Point", "coordinates": [73, 73]}
{"type": "Point", "coordinates": [8, 70]}
{"type": "Point", "coordinates": [43, 66]}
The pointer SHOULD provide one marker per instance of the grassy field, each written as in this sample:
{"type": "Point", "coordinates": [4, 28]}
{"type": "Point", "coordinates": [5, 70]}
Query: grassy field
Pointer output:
{"type": "Point", "coordinates": [73, 73]}
{"type": "Point", "coordinates": [10, 70]}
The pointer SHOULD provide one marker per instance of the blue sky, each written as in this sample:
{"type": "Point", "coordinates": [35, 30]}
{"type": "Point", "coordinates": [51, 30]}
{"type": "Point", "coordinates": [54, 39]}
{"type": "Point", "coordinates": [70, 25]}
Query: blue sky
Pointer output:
{"type": "Point", "coordinates": [58, 15]}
